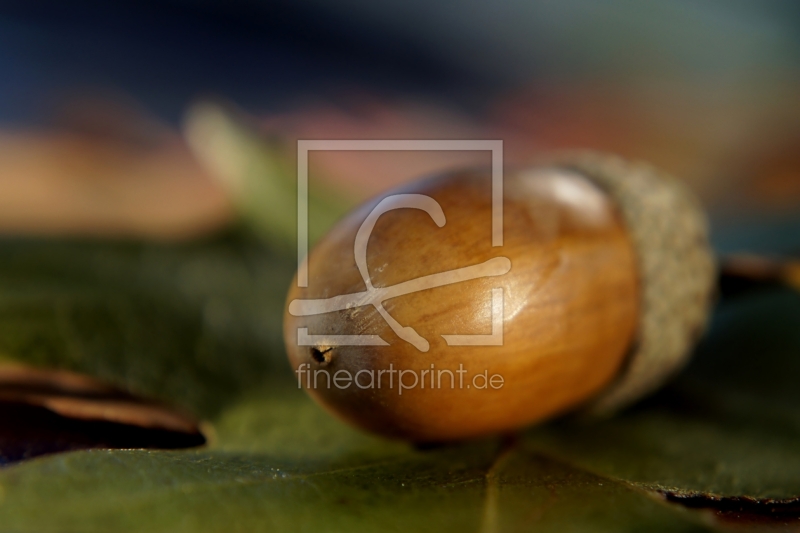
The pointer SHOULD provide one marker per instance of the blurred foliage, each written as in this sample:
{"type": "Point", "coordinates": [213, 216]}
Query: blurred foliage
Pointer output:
{"type": "Point", "coordinates": [259, 177]}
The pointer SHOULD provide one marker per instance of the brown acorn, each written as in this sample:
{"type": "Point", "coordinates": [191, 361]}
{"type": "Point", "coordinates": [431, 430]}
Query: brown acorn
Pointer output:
{"type": "Point", "coordinates": [414, 326]}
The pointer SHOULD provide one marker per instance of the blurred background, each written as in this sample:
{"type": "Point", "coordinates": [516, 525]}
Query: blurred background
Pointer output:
{"type": "Point", "coordinates": [99, 101]}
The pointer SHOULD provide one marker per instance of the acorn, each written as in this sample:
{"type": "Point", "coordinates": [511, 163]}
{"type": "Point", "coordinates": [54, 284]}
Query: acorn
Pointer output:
{"type": "Point", "coordinates": [418, 324]}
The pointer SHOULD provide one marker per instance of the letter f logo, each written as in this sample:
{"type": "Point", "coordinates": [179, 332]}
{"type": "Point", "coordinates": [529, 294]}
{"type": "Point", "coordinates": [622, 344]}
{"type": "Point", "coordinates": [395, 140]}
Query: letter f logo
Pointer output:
{"type": "Point", "coordinates": [375, 297]}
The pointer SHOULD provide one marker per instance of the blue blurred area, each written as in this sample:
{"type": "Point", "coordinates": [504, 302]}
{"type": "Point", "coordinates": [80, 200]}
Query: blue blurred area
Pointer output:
{"type": "Point", "coordinates": [266, 55]}
{"type": "Point", "coordinates": [166, 54]}
{"type": "Point", "coordinates": [757, 235]}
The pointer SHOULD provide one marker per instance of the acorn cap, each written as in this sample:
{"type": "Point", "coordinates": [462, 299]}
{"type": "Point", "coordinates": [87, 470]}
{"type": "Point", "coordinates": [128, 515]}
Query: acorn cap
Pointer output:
{"type": "Point", "coordinates": [670, 232]}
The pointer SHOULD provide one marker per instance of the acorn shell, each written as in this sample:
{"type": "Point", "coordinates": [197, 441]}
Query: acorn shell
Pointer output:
{"type": "Point", "coordinates": [570, 307]}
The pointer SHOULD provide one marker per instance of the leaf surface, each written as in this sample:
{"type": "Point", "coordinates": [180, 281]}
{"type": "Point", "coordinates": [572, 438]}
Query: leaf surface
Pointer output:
{"type": "Point", "coordinates": [727, 429]}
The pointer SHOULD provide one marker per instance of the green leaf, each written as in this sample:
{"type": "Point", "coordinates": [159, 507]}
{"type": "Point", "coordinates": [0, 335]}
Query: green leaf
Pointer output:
{"type": "Point", "coordinates": [195, 324]}
{"type": "Point", "coordinates": [280, 463]}
{"type": "Point", "coordinates": [727, 428]}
